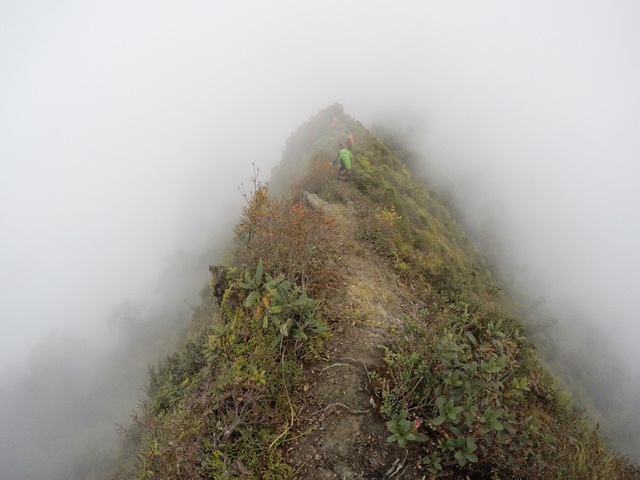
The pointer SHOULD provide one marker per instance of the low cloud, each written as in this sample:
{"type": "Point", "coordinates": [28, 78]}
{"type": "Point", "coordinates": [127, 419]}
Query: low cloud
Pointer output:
{"type": "Point", "coordinates": [125, 131]}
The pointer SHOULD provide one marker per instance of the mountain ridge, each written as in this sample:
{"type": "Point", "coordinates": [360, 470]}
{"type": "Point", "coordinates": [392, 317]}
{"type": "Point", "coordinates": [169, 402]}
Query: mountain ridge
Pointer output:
{"type": "Point", "coordinates": [354, 332]}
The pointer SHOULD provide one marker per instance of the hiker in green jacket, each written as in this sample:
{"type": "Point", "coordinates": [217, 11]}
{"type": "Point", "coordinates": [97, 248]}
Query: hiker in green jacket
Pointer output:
{"type": "Point", "coordinates": [343, 160]}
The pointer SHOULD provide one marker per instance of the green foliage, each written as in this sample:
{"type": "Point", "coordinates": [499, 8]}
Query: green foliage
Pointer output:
{"type": "Point", "coordinates": [478, 399]}
{"type": "Point", "coordinates": [404, 430]}
{"type": "Point", "coordinates": [166, 386]}
{"type": "Point", "coordinates": [482, 406]}
{"type": "Point", "coordinates": [279, 306]}
{"type": "Point", "coordinates": [406, 381]}
{"type": "Point", "coordinates": [466, 383]}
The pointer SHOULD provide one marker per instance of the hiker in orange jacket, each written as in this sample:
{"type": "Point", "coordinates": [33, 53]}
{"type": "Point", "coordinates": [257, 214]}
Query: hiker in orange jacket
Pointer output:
{"type": "Point", "coordinates": [350, 141]}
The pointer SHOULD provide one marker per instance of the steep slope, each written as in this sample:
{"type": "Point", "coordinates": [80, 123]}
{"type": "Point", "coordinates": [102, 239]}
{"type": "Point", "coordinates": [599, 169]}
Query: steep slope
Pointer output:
{"type": "Point", "coordinates": [355, 333]}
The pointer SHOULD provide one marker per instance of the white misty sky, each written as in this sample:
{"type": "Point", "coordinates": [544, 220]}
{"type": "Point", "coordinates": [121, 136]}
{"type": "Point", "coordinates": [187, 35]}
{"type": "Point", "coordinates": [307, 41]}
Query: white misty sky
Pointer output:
{"type": "Point", "coordinates": [126, 127]}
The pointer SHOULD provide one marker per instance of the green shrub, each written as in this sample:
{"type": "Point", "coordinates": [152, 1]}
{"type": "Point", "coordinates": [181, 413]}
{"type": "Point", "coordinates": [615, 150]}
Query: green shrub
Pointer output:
{"type": "Point", "coordinates": [466, 384]}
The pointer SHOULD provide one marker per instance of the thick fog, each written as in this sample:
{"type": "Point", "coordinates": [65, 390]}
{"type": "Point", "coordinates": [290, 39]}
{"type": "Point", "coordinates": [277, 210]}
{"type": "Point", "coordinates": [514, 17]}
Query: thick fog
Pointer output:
{"type": "Point", "coordinates": [126, 128]}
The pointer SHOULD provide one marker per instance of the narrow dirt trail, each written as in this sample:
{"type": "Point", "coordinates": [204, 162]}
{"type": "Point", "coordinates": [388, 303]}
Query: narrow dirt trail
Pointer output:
{"type": "Point", "coordinates": [343, 435]}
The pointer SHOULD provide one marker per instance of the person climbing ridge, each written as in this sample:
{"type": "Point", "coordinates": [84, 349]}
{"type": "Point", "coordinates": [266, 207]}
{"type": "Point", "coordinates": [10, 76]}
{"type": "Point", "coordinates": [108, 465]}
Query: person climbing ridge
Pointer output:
{"type": "Point", "coordinates": [350, 141]}
{"type": "Point", "coordinates": [334, 124]}
{"type": "Point", "coordinates": [343, 160]}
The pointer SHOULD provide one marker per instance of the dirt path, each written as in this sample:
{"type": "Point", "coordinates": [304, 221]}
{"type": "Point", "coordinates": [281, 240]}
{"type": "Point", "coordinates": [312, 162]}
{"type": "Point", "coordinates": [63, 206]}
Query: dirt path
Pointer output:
{"type": "Point", "coordinates": [342, 433]}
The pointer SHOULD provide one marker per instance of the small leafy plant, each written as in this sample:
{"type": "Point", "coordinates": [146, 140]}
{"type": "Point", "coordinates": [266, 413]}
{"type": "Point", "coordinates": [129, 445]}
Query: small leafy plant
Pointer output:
{"type": "Point", "coordinates": [276, 302]}
{"type": "Point", "coordinates": [404, 430]}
